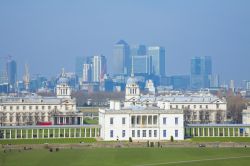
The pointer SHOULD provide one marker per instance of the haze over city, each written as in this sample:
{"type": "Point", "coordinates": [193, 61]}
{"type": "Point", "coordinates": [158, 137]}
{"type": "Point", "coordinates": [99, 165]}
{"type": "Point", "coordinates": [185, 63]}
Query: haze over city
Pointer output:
{"type": "Point", "coordinates": [48, 35]}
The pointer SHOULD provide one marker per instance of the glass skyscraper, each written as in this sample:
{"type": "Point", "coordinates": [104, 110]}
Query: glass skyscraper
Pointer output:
{"type": "Point", "coordinates": [157, 54]}
{"type": "Point", "coordinates": [99, 68]}
{"type": "Point", "coordinates": [201, 71]}
{"type": "Point", "coordinates": [121, 58]}
{"type": "Point", "coordinates": [12, 73]}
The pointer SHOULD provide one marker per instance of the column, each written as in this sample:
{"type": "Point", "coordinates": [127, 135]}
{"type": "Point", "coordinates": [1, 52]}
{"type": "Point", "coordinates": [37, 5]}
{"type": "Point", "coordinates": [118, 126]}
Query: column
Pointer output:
{"type": "Point", "coordinates": [223, 132]}
{"type": "Point", "coordinates": [213, 132]}
{"type": "Point", "coordinates": [63, 132]}
{"type": "Point", "coordinates": [208, 132]}
{"type": "Point", "coordinates": [218, 131]}
{"type": "Point", "coordinates": [48, 134]}
{"type": "Point", "coordinates": [32, 134]}
{"type": "Point", "coordinates": [4, 136]}
{"type": "Point", "coordinates": [37, 133]}
{"type": "Point", "coordinates": [74, 132]}
{"type": "Point", "coordinates": [54, 133]}
{"type": "Point", "coordinates": [21, 133]}
{"type": "Point", "coordinates": [90, 132]}
{"type": "Point", "coordinates": [10, 134]}
{"type": "Point", "coordinates": [43, 134]}
{"type": "Point", "coordinates": [228, 130]}
{"type": "Point", "coordinates": [233, 132]}
{"type": "Point", "coordinates": [16, 134]}
{"type": "Point", "coordinates": [69, 132]}
{"type": "Point", "coordinates": [85, 134]}
{"type": "Point", "coordinates": [238, 132]}
{"type": "Point", "coordinates": [80, 134]}
{"type": "Point", "coordinates": [198, 131]}
{"type": "Point", "coordinates": [193, 132]}
{"type": "Point", "coordinates": [203, 130]}
{"type": "Point", "coordinates": [95, 132]}
{"type": "Point", "coordinates": [59, 133]}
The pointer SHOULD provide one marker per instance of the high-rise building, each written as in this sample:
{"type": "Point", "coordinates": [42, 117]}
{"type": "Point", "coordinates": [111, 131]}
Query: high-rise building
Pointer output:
{"type": "Point", "coordinates": [79, 61]}
{"type": "Point", "coordinates": [99, 68]}
{"type": "Point", "coordinates": [157, 54]}
{"type": "Point", "coordinates": [138, 50]}
{"type": "Point", "coordinates": [87, 69]}
{"type": "Point", "coordinates": [201, 70]}
{"type": "Point", "coordinates": [3, 70]}
{"type": "Point", "coordinates": [121, 58]}
{"type": "Point", "coordinates": [12, 73]}
{"type": "Point", "coordinates": [142, 64]}
{"type": "Point", "coordinates": [214, 81]}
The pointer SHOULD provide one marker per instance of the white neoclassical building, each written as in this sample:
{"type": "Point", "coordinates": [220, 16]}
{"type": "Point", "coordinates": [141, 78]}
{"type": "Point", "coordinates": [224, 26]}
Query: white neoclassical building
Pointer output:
{"type": "Point", "coordinates": [139, 122]}
{"type": "Point", "coordinates": [34, 109]}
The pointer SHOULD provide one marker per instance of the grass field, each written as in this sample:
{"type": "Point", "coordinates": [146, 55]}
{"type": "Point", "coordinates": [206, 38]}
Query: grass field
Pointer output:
{"type": "Point", "coordinates": [129, 156]}
{"type": "Point", "coordinates": [219, 139]}
{"type": "Point", "coordinates": [51, 141]}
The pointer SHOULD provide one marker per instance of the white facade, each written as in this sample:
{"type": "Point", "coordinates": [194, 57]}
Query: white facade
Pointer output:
{"type": "Point", "coordinates": [246, 116]}
{"type": "Point", "coordinates": [141, 124]}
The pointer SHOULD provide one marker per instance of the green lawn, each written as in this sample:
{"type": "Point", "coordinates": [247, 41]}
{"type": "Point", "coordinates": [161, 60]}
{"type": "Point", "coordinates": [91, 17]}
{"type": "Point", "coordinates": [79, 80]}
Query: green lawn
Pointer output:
{"type": "Point", "coordinates": [220, 139]}
{"type": "Point", "coordinates": [51, 141]}
{"type": "Point", "coordinates": [129, 156]}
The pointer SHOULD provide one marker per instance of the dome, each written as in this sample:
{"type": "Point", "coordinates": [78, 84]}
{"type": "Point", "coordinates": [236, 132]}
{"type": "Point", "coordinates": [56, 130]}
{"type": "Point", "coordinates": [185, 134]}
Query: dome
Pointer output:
{"type": "Point", "coordinates": [63, 80]}
{"type": "Point", "coordinates": [131, 80]}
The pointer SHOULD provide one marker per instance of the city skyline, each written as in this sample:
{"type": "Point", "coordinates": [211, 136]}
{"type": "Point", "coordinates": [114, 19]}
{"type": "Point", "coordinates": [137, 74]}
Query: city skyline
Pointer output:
{"type": "Point", "coordinates": [41, 33]}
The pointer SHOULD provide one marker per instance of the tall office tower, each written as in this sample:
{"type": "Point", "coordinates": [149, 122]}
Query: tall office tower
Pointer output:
{"type": "Point", "coordinates": [12, 73]}
{"type": "Point", "coordinates": [201, 70]}
{"type": "Point", "coordinates": [3, 70]}
{"type": "Point", "coordinates": [79, 61]}
{"type": "Point", "coordinates": [231, 85]}
{"type": "Point", "coordinates": [138, 50]}
{"type": "Point", "coordinates": [99, 68]}
{"type": "Point", "coordinates": [157, 54]}
{"type": "Point", "coordinates": [214, 81]}
{"type": "Point", "coordinates": [121, 58]}
{"type": "Point", "coordinates": [86, 77]}
{"type": "Point", "coordinates": [142, 64]}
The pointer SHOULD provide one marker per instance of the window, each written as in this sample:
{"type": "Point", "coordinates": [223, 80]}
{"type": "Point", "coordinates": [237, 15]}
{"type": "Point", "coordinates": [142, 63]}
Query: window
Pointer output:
{"type": "Point", "coordinates": [188, 106]}
{"type": "Point", "coordinates": [36, 107]}
{"type": "Point", "coordinates": [133, 133]}
{"type": "Point", "coordinates": [217, 106]}
{"type": "Point", "coordinates": [182, 106]}
{"type": "Point", "coordinates": [30, 107]}
{"type": "Point", "coordinates": [111, 133]}
{"type": "Point", "coordinates": [170, 106]}
{"type": "Point", "coordinates": [200, 106]}
{"type": "Point", "coordinates": [206, 106]}
{"type": "Point", "coordinates": [144, 133]}
{"type": "Point", "coordinates": [123, 120]}
{"type": "Point", "coordinates": [123, 133]}
{"type": "Point", "coordinates": [150, 133]}
{"type": "Point", "coordinates": [55, 107]}
{"type": "Point", "coordinates": [176, 133]}
{"type": "Point", "coordinates": [11, 107]}
{"type": "Point", "coordinates": [42, 107]}
{"type": "Point", "coordinates": [176, 121]}
{"type": "Point", "coordinates": [194, 106]}
{"type": "Point", "coordinates": [155, 133]}
{"type": "Point", "coordinates": [111, 121]}
{"type": "Point", "coordinates": [164, 133]}
{"type": "Point", "coordinates": [49, 107]}
{"type": "Point", "coordinates": [176, 106]}
{"type": "Point", "coordinates": [4, 107]}
{"type": "Point", "coordinates": [138, 133]}
{"type": "Point", "coordinates": [164, 120]}
{"type": "Point", "coordinates": [17, 107]}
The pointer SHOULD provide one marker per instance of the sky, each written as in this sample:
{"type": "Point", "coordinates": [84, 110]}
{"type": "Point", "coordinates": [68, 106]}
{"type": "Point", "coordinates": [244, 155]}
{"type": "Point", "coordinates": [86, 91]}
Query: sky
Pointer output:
{"type": "Point", "coordinates": [49, 34]}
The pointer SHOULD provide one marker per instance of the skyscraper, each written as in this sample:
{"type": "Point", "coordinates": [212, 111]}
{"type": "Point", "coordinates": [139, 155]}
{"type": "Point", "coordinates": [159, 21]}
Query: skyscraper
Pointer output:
{"type": "Point", "coordinates": [79, 61]}
{"type": "Point", "coordinates": [3, 70]}
{"type": "Point", "coordinates": [12, 73]}
{"type": "Point", "coordinates": [142, 64]}
{"type": "Point", "coordinates": [121, 58]}
{"type": "Point", "coordinates": [99, 68]}
{"type": "Point", "coordinates": [201, 71]}
{"type": "Point", "coordinates": [158, 59]}
{"type": "Point", "coordinates": [87, 70]}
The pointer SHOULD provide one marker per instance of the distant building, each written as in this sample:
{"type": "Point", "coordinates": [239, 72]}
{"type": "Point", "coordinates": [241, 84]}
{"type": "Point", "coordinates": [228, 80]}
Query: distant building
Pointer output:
{"type": "Point", "coordinates": [142, 64]}
{"type": "Point", "coordinates": [87, 72]}
{"type": "Point", "coordinates": [99, 68]}
{"type": "Point", "coordinates": [3, 70]}
{"type": "Point", "coordinates": [158, 59]}
{"type": "Point", "coordinates": [12, 73]}
{"type": "Point", "coordinates": [79, 61]}
{"type": "Point", "coordinates": [201, 70]}
{"type": "Point", "coordinates": [121, 58]}
{"type": "Point", "coordinates": [214, 81]}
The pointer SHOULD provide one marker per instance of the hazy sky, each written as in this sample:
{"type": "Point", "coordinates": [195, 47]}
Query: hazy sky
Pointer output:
{"type": "Point", "coordinates": [49, 34]}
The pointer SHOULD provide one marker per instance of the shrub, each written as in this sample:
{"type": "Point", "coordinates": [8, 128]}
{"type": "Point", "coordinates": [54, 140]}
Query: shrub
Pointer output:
{"type": "Point", "coordinates": [172, 138]}
{"type": "Point", "coordinates": [130, 139]}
